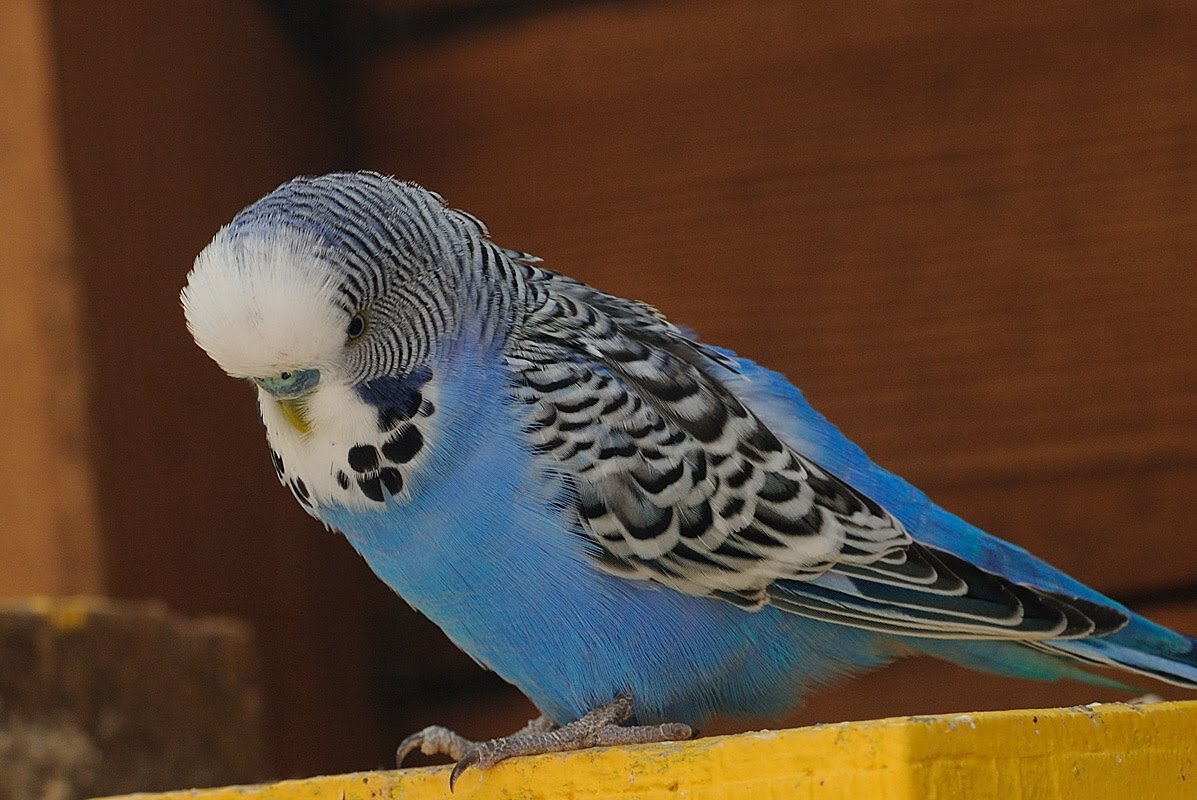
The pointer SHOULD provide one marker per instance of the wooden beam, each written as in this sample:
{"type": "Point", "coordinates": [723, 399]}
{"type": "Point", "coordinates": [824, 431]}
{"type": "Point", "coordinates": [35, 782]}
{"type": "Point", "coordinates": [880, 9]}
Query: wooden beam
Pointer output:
{"type": "Point", "coordinates": [175, 115]}
{"type": "Point", "coordinates": [1100, 752]}
{"type": "Point", "coordinates": [49, 541]}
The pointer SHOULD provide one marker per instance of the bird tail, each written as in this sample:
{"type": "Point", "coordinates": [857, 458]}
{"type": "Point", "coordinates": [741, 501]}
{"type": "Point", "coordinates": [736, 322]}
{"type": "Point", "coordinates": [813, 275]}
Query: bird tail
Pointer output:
{"type": "Point", "coordinates": [1142, 647]}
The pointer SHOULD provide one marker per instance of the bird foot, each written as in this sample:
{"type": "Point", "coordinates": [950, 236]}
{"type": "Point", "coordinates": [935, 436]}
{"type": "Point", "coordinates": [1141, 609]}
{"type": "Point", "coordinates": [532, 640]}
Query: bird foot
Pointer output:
{"type": "Point", "coordinates": [602, 727]}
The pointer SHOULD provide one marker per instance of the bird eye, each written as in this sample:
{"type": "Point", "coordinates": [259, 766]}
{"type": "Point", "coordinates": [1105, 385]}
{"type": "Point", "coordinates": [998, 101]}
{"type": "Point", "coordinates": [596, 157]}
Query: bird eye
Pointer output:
{"type": "Point", "coordinates": [356, 326]}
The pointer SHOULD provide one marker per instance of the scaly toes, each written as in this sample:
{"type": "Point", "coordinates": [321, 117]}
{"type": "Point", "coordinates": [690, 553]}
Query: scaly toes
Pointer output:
{"type": "Point", "coordinates": [435, 740]}
{"type": "Point", "coordinates": [577, 736]}
{"type": "Point", "coordinates": [598, 728]}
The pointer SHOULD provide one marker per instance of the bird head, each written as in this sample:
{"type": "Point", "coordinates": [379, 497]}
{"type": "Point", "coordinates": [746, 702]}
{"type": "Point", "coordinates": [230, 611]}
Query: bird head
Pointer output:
{"type": "Point", "coordinates": [328, 284]}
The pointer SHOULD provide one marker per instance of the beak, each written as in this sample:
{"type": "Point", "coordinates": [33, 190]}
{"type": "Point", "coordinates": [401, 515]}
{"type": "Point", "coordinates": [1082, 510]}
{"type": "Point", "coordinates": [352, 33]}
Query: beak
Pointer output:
{"type": "Point", "coordinates": [291, 390]}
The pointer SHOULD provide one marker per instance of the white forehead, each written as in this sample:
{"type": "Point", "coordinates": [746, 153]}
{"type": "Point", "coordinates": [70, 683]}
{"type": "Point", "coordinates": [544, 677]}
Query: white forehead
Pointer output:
{"type": "Point", "coordinates": [263, 303]}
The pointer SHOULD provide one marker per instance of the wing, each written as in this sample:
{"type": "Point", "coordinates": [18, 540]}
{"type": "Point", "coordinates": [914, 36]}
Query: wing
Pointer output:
{"type": "Point", "coordinates": [676, 481]}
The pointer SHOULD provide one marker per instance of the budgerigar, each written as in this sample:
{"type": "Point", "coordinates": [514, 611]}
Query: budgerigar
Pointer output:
{"type": "Point", "coordinates": [637, 529]}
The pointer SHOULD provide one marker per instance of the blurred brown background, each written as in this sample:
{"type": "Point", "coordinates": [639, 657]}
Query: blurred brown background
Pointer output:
{"type": "Point", "coordinates": [968, 231]}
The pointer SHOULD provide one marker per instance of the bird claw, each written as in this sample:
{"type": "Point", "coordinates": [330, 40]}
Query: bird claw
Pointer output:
{"type": "Point", "coordinates": [406, 747]}
{"type": "Point", "coordinates": [471, 758]}
{"type": "Point", "coordinates": [483, 755]}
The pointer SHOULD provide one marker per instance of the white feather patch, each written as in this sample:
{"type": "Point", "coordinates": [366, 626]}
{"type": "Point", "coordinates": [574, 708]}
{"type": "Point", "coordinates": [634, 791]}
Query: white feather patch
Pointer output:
{"type": "Point", "coordinates": [259, 305]}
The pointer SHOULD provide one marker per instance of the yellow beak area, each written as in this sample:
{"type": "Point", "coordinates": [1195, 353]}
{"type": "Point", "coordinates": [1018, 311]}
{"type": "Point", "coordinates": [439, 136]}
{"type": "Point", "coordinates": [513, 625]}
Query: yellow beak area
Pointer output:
{"type": "Point", "coordinates": [295, 411]}
{"type": "Point", "coordinates": [291, 389]}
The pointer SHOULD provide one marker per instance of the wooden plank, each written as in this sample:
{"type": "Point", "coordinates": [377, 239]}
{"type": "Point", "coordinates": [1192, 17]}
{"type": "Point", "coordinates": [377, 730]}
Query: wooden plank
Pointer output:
{"type": "Point", "coordinates": [969, 237]}
{"type": "Point", "coordinates": [103, 697]}
{"type": "Point", "coordinates": [49, 542]}
{"type": "Point", "coordinates": [826, 23]}
{"type": "Point", "coordinates": [1104, 752]}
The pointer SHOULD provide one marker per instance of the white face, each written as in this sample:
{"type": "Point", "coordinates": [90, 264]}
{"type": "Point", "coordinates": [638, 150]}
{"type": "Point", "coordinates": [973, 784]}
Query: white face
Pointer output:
{"type": "Point", "coordinates": [262, 306]}
{"type": "Point", "coordinates": [267, 309]}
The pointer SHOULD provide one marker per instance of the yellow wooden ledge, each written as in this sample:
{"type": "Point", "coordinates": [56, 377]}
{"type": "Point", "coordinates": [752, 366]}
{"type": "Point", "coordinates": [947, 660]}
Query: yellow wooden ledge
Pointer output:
{"type": "Point", "coordinates": [1098, 752]}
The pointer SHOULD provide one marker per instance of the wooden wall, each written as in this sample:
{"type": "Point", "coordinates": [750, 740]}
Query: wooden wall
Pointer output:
{"type": "Point", "coordinates": [50, 537]}
{"type": "Point", "coordinates": [174, 116]}
{"type": "Point", "coordinates": [967, 233]}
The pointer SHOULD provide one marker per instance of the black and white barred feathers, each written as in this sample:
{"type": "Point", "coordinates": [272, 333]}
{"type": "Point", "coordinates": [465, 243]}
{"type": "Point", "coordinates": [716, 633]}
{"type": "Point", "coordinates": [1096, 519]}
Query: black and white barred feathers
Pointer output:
{"type": "Point", "coordinates": [679, 483]}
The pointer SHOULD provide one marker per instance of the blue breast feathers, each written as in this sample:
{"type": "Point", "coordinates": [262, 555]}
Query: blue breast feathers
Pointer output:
{"type": "Point", "coordinates": [487, 546]}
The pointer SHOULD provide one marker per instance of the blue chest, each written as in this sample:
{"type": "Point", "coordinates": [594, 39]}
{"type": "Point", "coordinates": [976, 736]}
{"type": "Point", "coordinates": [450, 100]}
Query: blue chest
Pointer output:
{"type": "Point", "coordinates": [484, 542]}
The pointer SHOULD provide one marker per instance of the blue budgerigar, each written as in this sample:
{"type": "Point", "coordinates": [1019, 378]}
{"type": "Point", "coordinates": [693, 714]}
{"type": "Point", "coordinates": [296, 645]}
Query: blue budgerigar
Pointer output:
{"type": "Point", "coordinates": [637, 529]}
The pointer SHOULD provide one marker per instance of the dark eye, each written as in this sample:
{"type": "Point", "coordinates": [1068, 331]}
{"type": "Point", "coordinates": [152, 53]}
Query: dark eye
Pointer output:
{"type": "Point", "coordinates": [356, 326]}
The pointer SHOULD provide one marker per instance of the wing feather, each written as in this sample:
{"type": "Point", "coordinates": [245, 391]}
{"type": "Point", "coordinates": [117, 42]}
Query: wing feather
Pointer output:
{"type": "Point", "coordinates": [679, 482]}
